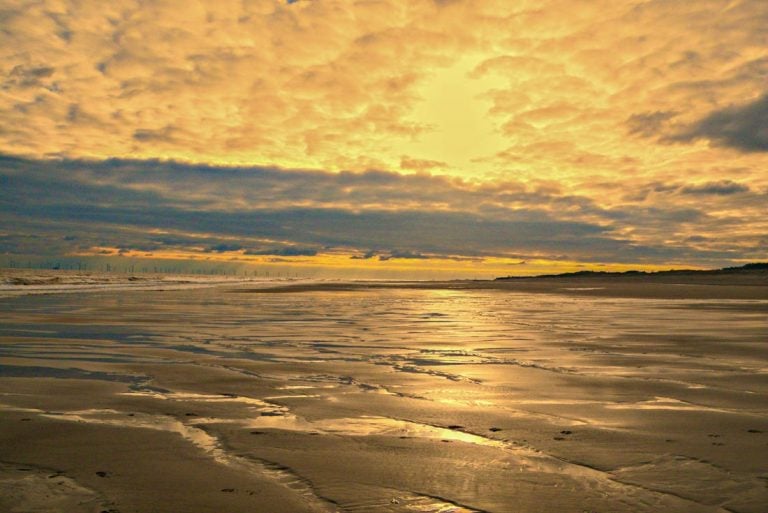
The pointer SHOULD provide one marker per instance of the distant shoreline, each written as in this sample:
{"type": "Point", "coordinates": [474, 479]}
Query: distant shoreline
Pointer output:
{"type": "Point", "coordinates": [699, 285]}
{"type": "Point", "coordinates": [748, 282]}
{"type": "Point", "coordinates": [752, 269]}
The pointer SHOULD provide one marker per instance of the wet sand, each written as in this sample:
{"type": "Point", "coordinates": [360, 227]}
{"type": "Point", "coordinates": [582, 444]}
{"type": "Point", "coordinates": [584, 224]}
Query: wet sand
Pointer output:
{"type": "Point", "coordinates": [411, 397]}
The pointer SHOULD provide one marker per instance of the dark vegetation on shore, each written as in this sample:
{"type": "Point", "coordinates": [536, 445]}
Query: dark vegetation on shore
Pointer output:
{"type": "Point", "coordinates": [752, 268]}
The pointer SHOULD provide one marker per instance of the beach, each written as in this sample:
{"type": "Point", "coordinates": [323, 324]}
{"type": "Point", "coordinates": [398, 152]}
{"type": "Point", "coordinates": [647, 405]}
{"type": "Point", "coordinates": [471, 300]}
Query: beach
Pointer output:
{"type": "Point", "coordinates": [534, 395]}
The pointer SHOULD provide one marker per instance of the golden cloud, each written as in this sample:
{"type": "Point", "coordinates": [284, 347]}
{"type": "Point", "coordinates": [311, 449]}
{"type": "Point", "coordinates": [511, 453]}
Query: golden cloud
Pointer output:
{"type": "Point", "coordinates": [600, 100]}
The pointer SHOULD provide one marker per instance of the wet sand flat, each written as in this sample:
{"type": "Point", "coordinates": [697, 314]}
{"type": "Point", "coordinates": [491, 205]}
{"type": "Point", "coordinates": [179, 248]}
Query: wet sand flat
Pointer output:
{"type": "Point", "coordinates": [411, 397]}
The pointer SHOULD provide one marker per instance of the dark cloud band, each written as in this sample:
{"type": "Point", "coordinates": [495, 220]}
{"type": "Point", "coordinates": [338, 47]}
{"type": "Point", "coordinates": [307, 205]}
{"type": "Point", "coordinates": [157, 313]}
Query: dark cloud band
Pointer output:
{"type": "Point", "coordinates": [65, 205]}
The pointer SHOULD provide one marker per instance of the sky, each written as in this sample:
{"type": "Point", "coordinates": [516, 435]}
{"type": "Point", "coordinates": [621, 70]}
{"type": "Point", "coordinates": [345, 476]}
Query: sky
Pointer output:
{"type": "Point", "coordinates": [387, 138]}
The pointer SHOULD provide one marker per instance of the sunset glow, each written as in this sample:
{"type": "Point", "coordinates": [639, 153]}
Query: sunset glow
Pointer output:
{"type": "Point", "coordinates": [388, 138]}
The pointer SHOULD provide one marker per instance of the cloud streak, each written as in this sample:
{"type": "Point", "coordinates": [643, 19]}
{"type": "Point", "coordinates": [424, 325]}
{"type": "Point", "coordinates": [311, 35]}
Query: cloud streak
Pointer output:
{"type": "Point", "coordinates": [743, 127]}
{"type": "Point", "coordinates": [138, 205]}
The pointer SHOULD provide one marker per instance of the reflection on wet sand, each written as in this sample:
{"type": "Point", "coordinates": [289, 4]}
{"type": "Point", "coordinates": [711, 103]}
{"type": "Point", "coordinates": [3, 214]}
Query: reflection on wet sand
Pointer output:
{"type": "Point", "coordinates": [387, 400]}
